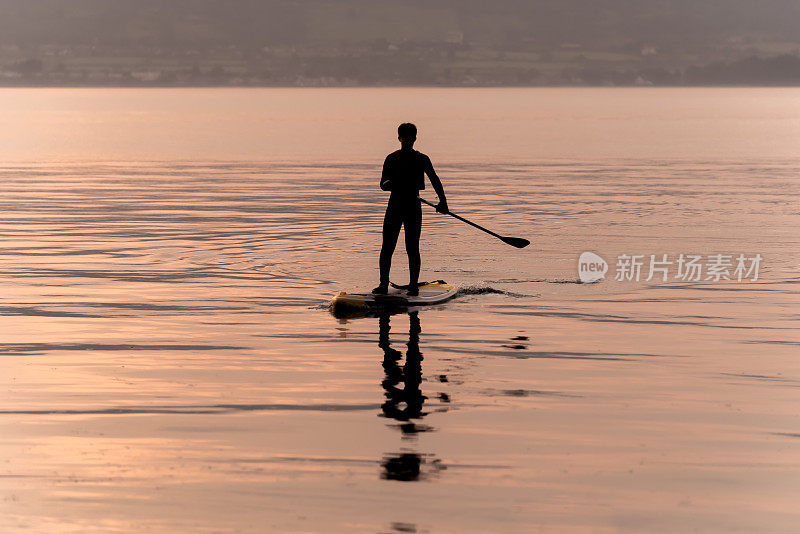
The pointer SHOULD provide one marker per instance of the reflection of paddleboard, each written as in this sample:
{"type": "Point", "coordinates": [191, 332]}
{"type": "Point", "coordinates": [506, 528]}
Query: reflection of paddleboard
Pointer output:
{"type": "Point", "coordinates": [429, 293]}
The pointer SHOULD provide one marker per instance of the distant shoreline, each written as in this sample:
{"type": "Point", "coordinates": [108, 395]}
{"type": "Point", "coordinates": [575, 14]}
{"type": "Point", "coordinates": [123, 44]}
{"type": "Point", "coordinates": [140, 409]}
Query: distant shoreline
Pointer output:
{"type": "Point", "coordinates": [387, 86]}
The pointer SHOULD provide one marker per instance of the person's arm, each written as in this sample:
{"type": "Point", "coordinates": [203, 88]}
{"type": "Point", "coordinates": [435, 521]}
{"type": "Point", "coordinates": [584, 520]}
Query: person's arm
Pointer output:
{"type": "Point", "coordinates": [437, 186]}
{"type": "Point", "coordinates": [386, 182]}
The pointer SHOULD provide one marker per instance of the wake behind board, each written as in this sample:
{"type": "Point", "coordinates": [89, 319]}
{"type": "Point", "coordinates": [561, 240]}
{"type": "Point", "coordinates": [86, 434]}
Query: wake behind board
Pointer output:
{"type": "Point", "coordinates": [429, 293]}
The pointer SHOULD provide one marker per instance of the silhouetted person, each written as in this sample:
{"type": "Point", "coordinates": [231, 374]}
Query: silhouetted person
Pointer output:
{"type": "Point", "coordinates": [404, 175]}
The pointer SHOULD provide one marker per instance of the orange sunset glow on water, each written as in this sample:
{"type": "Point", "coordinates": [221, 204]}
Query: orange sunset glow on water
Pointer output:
{"type": "Point", "coordinates": [170, 363]}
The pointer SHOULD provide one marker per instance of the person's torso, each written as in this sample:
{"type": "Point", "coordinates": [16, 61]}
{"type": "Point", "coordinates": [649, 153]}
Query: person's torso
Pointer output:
{"type": "Point", "coordinates": [407, 171]}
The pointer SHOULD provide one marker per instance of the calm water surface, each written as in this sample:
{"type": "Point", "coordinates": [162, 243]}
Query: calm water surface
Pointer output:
{"type": "Point", "coordinates": [169, 365]}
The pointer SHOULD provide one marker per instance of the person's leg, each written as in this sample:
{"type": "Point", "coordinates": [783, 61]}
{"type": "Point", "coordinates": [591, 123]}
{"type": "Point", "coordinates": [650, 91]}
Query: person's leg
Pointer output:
{"type": "Point", "coordinates": [391, 231]}
{"type": "Point", "coordinates": [412, 221]}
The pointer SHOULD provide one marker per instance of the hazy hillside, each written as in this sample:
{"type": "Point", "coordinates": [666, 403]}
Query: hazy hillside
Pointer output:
{"type": "Point", "coordinates": [381, 41]}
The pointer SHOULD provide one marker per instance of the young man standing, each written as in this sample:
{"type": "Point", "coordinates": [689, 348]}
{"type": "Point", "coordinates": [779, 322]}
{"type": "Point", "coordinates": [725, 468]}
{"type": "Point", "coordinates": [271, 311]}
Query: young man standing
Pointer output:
{"type": "Point", "coordinates": [404, 175]}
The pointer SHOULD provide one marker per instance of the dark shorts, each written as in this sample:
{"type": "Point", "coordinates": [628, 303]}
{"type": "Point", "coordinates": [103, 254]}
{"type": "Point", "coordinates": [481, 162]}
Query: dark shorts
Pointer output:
{"type": "Point", "coordinates": [405, 212]}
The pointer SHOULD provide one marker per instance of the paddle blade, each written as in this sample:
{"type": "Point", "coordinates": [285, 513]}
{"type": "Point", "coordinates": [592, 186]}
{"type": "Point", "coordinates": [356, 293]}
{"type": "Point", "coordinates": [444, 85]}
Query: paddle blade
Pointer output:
{"type": "Point", "coordinates": [516, 241]}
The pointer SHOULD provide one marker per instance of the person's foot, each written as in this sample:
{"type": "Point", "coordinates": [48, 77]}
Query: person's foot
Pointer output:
{"type": "Point", "coordinates": [413, 290]}
{"type": "Point", "coordinates": [382, 289]}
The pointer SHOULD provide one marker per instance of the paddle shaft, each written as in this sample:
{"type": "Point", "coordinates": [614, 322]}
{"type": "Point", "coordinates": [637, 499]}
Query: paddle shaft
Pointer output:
{"type": "Point", "coordinates": [462, 219]}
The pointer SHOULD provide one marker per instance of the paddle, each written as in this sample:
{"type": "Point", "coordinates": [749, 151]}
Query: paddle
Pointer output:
{"type": "Point", "coordinates": [513, 241]}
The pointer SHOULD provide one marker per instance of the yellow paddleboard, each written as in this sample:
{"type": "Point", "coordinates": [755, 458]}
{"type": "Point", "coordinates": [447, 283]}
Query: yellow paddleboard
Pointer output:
{"type": "Point", "coordinates": [429, 293]}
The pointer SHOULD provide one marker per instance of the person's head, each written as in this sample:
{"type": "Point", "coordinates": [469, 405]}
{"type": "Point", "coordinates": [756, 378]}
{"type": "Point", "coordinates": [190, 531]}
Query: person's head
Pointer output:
{"type": "Point", "coordinates": [407, 134]}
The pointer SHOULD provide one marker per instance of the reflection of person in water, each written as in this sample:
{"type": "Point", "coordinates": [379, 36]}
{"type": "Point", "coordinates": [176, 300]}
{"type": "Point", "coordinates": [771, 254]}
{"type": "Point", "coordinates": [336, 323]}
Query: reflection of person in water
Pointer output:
{"type": "Point", "coordinates": [405, 466]}
{"type": "Point", "coordinates": [410, 375]}
{"type": "Point", "coordinates": [404, 404]}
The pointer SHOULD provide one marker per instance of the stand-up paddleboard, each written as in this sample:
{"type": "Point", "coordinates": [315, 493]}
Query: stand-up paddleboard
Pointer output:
{"type": "Point", "coordinates": [429, 293]}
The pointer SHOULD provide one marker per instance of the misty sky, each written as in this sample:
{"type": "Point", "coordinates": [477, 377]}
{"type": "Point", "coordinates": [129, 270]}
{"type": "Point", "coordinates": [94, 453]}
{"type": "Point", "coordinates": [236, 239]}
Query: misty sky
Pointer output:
{"type": "Point", "coordinates": [366, 42]}
{"type": "Point", "coordinates": [253, 22]}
